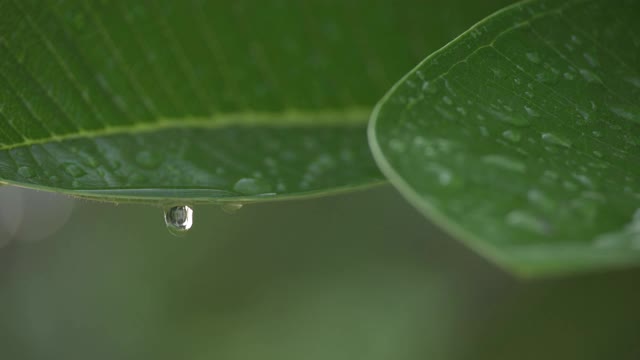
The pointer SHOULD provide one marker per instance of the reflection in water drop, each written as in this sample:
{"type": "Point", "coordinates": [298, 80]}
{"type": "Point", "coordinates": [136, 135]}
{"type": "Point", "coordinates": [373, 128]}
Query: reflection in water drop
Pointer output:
{"type": "Point", "coordinates": [179, 219]}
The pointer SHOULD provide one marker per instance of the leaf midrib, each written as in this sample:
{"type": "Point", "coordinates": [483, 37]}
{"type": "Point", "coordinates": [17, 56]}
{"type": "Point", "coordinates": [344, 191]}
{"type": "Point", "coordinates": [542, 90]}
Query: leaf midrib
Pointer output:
{"type": "Point", "coordinates": [346, 117]}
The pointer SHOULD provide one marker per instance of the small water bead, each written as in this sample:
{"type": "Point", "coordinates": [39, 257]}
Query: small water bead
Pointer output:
{"type": "Point", "coordinates": [429, 87]}
{"type": "Point", "coordinates": [628, 237]}
{"type": "Point", "coordinates": [74, 170]}
{"type": "Point", "coordinates": [531, 112]}
{"type": "Point", "coordinates": [555, 140]}
{"type": "Point", "coordinates": [251, 186]}
{"type": "Point", "coordinates": [231, 208]}
{"type": "Point", "coordinates": [526, 221]}
{"type": "Point", "coordinates": [589, 76]}
{"type": "Point", "coordinates": [178, 219]}
{"type": "Point", "coordinates": [593, 62]}
{"type": "Point", "coordinates": [25, 172]}
{"type": "Point", "coordinates": [512, 135]}
{"type": "Point", "coordinates": [504, 162]}
{"type": "Point", "coordinates": [635, 81]}
{"type": "Point", "coordinates": [533, 57]}
{"type": "Point", "coordinates": [541, 200]}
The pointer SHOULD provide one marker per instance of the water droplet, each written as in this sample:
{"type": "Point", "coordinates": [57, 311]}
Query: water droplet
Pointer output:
{"type": "Point", "coordinates": [74, 170]}
{"type": "Point", "coordinates": [576, 40]}
{"type": "Point", "coordinates": [231, 208]}
{"type": "Point", "coordinates": [589, 76]}
{"type": "Point", "coordinates": [533, 57]}
{"type": "Point", "coordinates": [179, 219]}
{"type": "Point", "coordinates": [531, 112]}
{"type": "Point", "coordinates": [635, 81]}
{"type": "Point", "coordinates": [541, 200]}
{"type": "Point", "coordinates": [593, 62]}
{"type": "Point", "coordinates": [555, 140]}
{"type": "Point", "coordinates": [251, 186]}
{"type": "Point", "coordinates": [527, 221]}
{"type": "Point", "coordinates": [583, 179]}
{"type": "Point", "coordinates": [628, 237]}
{"type": "Point", "coordinates": [626, 112]}
{"type": "Point", "coordinates": [148, 159]}
{"type": "Point", "coordinates": [512, 135]}
{"type": "Point", "coordinates": [504, 162]}
{"type": "Point", "coordinates": [513, 119]}
{"type": "Point", "coordinates": [429, 87]}
{"type": "Point", "coordinates": [25, 172]}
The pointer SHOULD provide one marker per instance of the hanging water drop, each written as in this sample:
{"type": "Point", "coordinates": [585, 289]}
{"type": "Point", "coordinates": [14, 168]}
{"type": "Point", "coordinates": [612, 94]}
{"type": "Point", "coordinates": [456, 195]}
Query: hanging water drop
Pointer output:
{"type": "Point", "coordinates": [178, 219]}
{"type": "Point", "coordinates": [231, 208]}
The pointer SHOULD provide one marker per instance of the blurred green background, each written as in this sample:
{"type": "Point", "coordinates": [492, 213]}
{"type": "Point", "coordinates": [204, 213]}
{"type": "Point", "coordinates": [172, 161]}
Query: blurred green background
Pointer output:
{"type": "Point", "coordinates": [356, 276]}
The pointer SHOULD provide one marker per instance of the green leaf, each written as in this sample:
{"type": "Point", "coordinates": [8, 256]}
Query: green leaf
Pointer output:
{"type": "Point", "coordinates": [522, 136]}
{"type": "Point", "coordinates": [204, 100]}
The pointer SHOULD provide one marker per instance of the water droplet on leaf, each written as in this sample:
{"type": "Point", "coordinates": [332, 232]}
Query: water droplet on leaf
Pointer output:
{"type": "Point", "coordinates": [555, 140]}
{"type": "Point", "coordinates": [25, 172]}
{"type": "Point", "coordinates": [512, 135]}
{"type": "Point", "coordinates": [251, 186]}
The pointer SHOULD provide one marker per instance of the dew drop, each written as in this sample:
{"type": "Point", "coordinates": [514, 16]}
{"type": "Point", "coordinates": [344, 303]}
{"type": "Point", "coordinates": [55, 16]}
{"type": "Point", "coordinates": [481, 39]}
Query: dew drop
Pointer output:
{"type": "Point", "coordinates": [533, 57]}
{"type": "Point", "coordinates": [429, 87]}
{"type": "Point", "coordinates": [635, 81]}
{"type": "Point", "coordinates": [178, 219]}
{"type": "Point", "coordinates": [555, 140]}
{"type": "Point", "coordinates": [541, 200]}
{"type": "Point", "coordinates": [251, 186]}
{"type": "Point", "coordinates": [526, 221]}
{"type": "Point", "coordinates": [589, 76]}
{"type": "Point", "coordinates": [231, 208]}
{"type": "Point", "coordinates": [512, 135]}
{"type": "Point", "coordinates": [74, 170]}
{"type": "Point", "coordinates": [25, 172]}
{"type": "Point", "coordinates": [593, 62]}
{"type": "Point", "coordinates": [504, 162]}
{"type": "Point", "coordinates": [531, 112]}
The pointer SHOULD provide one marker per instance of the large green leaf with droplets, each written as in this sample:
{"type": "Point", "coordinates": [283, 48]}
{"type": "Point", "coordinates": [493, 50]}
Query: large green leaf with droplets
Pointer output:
{"type": "Point", "coordinates": [522, 136]}
{"type": "Point", "coordinates": [204, 100]}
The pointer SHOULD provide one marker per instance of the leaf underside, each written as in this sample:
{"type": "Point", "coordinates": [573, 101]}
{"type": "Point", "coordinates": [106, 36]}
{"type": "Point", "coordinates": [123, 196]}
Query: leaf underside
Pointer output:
{"type": "Point", "coordinates": [522, 136]}
{"type": "Point", "coordinates": [204, 101]}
